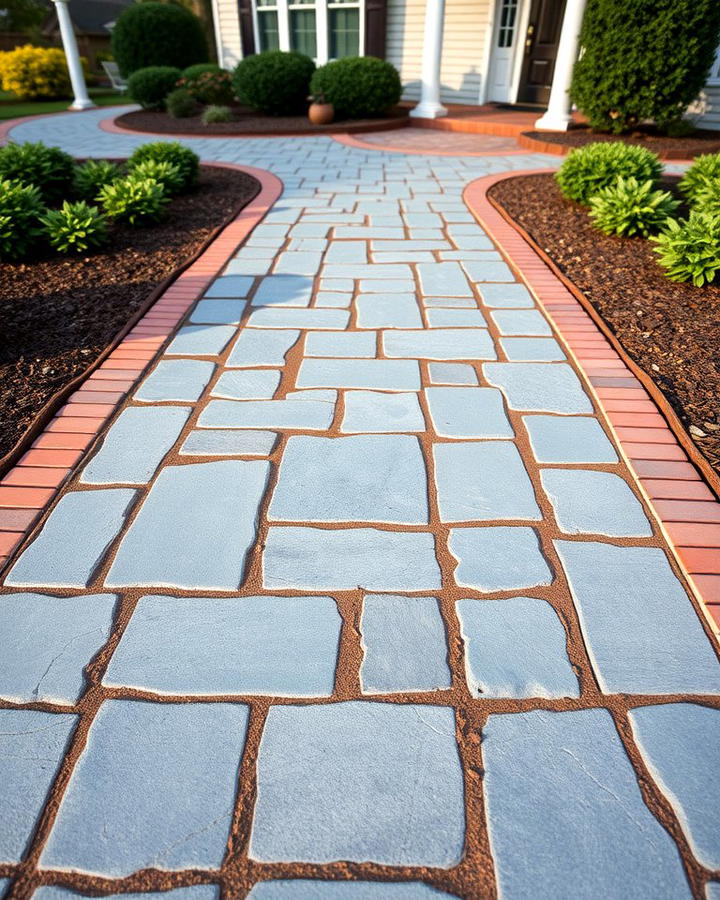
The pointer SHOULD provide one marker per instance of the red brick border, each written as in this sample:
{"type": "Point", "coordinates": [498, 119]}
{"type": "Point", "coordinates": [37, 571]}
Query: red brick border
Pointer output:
{"type": "Point", "coordinates": [687, 511]}
{"type": "Point", "coordinates": [539, 146]}
{"type": "Point", "coordinates": [349, 141]}
{"type": "Point", "coordinates": [29, 487]}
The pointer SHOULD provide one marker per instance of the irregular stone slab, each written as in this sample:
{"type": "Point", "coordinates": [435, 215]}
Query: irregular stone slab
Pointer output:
{"type": "Point", "coordinates": [109, 822]}
{"type": "Point", "coordinates": [311, 415]}
{"type": "Point", "coordinates": [440, 343]}
{"type": "Point", "coordinates": [333, 298]}
{"type": "Point", "coordinates": [345, 343]}
{"type": "Point", "coordinates": [337, 284]}
{"type": "Point", "coordinates": [452, 373]}
{"type": "Point", "coordinates": [562, 779]}
{"type": "Point", "coordinates": [261, 348]}
{"type": "Point", "coordinates": [468, 412]}
{"type": "Point", "coordinates": [521, 321]}
{"type": "Point", "coordinates": [515, 647]}
{"type": "Point", "coordinates": [298, 262]}
{"type": "Point", "coordinates": [45, 643]}
{"type": "Point", "coordinates": [230, 286]}
{"type": "Point", "coordinates": [247, 384]}
{"type": "Point", "coordinates": [369, 270]}
{"type": "Point", "coordinates": [506, 295]}
{"type": "Point", "coordinates": [200, 340]}
{"type": "Point", "coordinates": [305, 889]}
{"type": "Point", "coordinates": [712, 890]}
{"type": "Point", "coordinates": [365, 478]}
{"type": "Point", "coordinates": [32, 745]}
{"type": "Point", "coordinates": [372, 411]}
{"type": "Point", "coordinates": [384, 285]}
{"type": "Point", "coordinates": [456, 318]}
{"type": "Point", "coordinates": [570, 439]}
{"type": "Point", "coordinates": [532, 349]}
{"type": "Point", "coordinates": [483, 481]}
{"type": "Point", "coordinates": [279, 646]}
{"type": "Point", "coordinates": [383, 374]}
{"type": "Point", "coordinates": [488, 271]}
{"type": "Point", "coordinates": [292, 317]}
{"type": "Point", "coordinates": [388, 311]}
{"type": "Point", "coordinates": [541, 387]}
{"type": "Point", "coordinates": [284, 290]}
{"type": "Point", "coordinates": [194, 528]}
{"type": "Point", "coordinates": [347, 252]}
{"type": "Point", "coordinates": [218, 312]}
{"type": "Point", "coordinates": [135, 445]}
{"type": "Point", "coordinates": [450, 302]}
{"type": "Point", "coordinates": [327, 396]}
{"type": "Point", "coordinates": [360, 781]}
{"type": "Point", "coordinates": [73, 540]}
{"type": "Point", "coordinates": [404, 645]}
{"type": "Point", "coordinates": [181, 380]}
{"type": "Point", "coordinates": [445, 278]}
{"type": "Point", "coordinates": [679, 743]}
{"type": "Point", "coordinates": [587, 502]}
{"type": "Point", "coordinates": [219, 442]}
{"type": "Point", "coordinates": [498, 558]}
{"type": "Point", "coordinates": [344, 559]}
{"type": "Point", "coordinates": [195, 892]}
{"type": "Point", "coordinates": [629, 601]}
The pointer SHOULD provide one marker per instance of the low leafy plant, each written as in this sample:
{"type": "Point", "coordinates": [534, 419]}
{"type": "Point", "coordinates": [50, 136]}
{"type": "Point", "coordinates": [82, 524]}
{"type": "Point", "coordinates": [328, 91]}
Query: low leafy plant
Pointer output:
{"type": "Point", "coordinates": [50, 169]}
{"type": "Point", "coordinates": [358, 86]}
{"type": "Point", "coordinates": [150, 86]}
{"type": "Point", "coordinates": [707, 200]}
{"type": "Point", "coordinates": [165, 173]}
{"type": "Point", "coordinates": [587, 170]}
{"type": "Point", "coordinates": [274, 82]}
{"type": "Point", "coordinates": [209, 87]}
{"type": "Point", "coordinates": [689, 249]}
{"type": "Point", "coordinates": [173, 152]}
{"type": "Point", "coordinates": [631, 208]}
{"type": "Point", "coordinates": [703, 172]}
{"type": "Point", "coordinates": [216, 114]}
{"type": "Point", "coordinates": [20, 210]}
{"type": "Point", "coordinates": [133, 200]}
{"type": "Point", "coordinates": [75, 227]}
{"type": "Point", "coordinates": [181, 104]}
{"type": "Point", "coordinates": [93, 175]}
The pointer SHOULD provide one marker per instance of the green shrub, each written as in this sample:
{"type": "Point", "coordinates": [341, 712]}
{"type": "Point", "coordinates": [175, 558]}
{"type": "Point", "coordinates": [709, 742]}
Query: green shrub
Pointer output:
{"type": "Point", "coordinates": [647, 59]}
{"type": "Point", "coordinates": [707, 200]}
{"type": "Point", "coordinates": [589, 169]}
{"type": "Point", "coordinates": [33, 73]}
{"type": "Point", "coordinates": [689, 250]}
{"type": "Point", "coordinates": [704, 170]}
{"type": "Point", "coordinates": [94, 174]}
{"type": "Point", "coordinates": [200, 69]}
{"type": "Point", "coordinates": [75, 227]}
{"type": "Point", "coordinates": [136, 201]}
{"type": "Point", "coordinates": [630, 207]}
{"type": "Point", "coordinates": [216, 114]}
{"type": "Point", "coordinates": [181, 104]}
{"type": "Point", "coordinates": [20, 210]}
{"type": "Point", "coordinates": [50, 169]}
{"type": "Point", "coordinates": [165, 173]}
{"type": "Point", "coordinates": [274, 82]}
{"type": "Point", "coordinates": [157, 34]}
{"type": "Point", "coordinates": [358, 87]}
{"type": "Point", "coordinates": [150, 86]}
{"type": "Point", "coordinates": [172, 152]}
{"type": "Point", "coordinates": [209, 87]}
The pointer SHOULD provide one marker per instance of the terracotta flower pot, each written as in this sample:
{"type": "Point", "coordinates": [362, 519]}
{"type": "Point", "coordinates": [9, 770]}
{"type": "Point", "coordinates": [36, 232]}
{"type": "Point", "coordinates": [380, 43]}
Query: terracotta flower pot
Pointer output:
{"type": "Point", "coordinates": [321, 113]}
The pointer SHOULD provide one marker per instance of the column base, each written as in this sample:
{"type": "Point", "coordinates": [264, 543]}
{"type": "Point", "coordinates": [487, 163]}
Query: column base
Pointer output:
{"type": "Point", "coordinates": [428, 111]}
{"type": "Point", "coordinates": [82, 104]}
{"type": "Point", "coordinates": [553, 122]}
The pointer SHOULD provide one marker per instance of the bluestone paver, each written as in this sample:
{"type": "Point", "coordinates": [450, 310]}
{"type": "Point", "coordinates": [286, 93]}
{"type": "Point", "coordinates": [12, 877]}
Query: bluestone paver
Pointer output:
{"type": "Point", "coordinates": [539, 387]}
{"type": "Point", "coordinates": [200, 340]}
{"type": "Point", "coordinates": [569, 439]}
{"type": "Point", "coordinates": [194, 892]}
{"type": "Point", "coordinates": [310, 415]}
{"type": "Point", "coordinates": [520, 321]}
{"type": "Point", "coordinates": [388, 311]}
{"type": "Point", "coordinates": [379, 374]}
{"type": "Point", "coordinates": [439, 343]}
{"type": "Point", "coordinates": [230, 286]}
{"type": "Point", "coordinates": [261, 348]}
{"type": "Point", "coordinates": [506, 295]}
{"type": "Point", "coordinates": [498, 558]}
{"type": "Point", "coordinates": [373, 411]}
{"type": "Point", "coordinates": [532, 349]}
{"type": "Point", "coordinates": [468, 412]}
{"type": "Point", "coordinates": [452, 373]}
{"type": "Point", "coordinates": [179, 380]}
{"type": "Point", "coordinates": [456, 318]}
{"type": "Point", "coordinates": [283, 290]}
{"type": "Point", "coordinates": [228, 442]}
{"type": "Point", "coordinates": [304, 889]}
{"type": "Point", "coordinates": [293, 317]}
{"type": "Point", "coordinates": [443, 278]}
{"type": "Point", "coordinates": [247, 384]}
{"type": "Point", "coordinates": [339, 344]}
{"type": "Point", "coordinates": [218, 312]}
{"type": "Point", "coordinates": [486, 270]}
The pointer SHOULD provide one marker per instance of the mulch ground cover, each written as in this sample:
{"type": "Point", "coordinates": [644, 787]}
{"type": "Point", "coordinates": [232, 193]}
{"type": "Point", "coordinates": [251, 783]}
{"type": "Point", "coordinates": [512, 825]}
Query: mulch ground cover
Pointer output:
{"type": "Point", "coordinates": [672, 331]}
{"type": "Point", "coordinates": [676, 147]}
{"type": "Point", "coordinates": [58, 314]}
{"type": "Point", "coordinates": [245, 122]}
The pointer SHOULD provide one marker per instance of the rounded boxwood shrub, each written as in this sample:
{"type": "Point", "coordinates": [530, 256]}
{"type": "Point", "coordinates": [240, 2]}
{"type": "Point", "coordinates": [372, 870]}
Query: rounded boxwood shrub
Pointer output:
{"type": "Point", "coordinates": [216, 114]}
{"type": "Point", "coordinates": [157, 34]}
{"type": "Point", "coordinates": [50, 169]}
{"type": "Point", "coordinates": [165, 173]}
{"type": "Point", "coordinates": [587, 170]}
{"type": "Point", "coordinates": [689, 250]}
{"type": "Point", "coordinates": [171, 152]}
{"type": "Point", "coordinates": [150, 86]}
{"type": "Point", "coordinates": [359, 87]}
{"type": "Point", "coordinates": [20, 210]}
{"type": "Point", "coordinates": [181, 104]}
{"type": "Point", "coordinates": [274, 82]}
{"type": "Point", "coordinates": [704, 171]}
{"type": "Point", "coordinates": [647, 59]}
{"type": "Point", "coordinates": [630, 208]}
{"type": "Point", "coordinates": [94, 174]}
{"type": "Point", "coordinates": [135, 201]}
{"type": "Point", "coordinates": [75, 227]}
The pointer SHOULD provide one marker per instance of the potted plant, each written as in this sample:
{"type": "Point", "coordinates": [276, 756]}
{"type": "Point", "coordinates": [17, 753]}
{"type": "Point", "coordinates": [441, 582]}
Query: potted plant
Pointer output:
{"type": "Point", "coordinates": [320, 112]}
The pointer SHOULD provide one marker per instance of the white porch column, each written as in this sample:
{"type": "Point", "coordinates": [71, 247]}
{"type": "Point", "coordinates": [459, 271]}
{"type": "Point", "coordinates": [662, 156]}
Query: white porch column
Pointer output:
{"type": "Point", "coordinates": [429, 106]}
{"type": "Point", "coordinates": [557, 117]}
{"type": "Point", "coordinates": [77, 79]}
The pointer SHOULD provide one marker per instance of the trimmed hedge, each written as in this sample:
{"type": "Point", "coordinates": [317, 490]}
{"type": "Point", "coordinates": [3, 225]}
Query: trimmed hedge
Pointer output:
{"type": "Point", "coordinates": [275, 82]}
{"type": "Point", "coordinates": [588, 170]}
{"type": "Point", "coordinates": [150, 86]}
{"type": "Point", "coordinates": [359, 87]}
{"type": "Point", "coordinates": [49, 169]}
{"type": "Point", "coordinates": [157, 34]}
{"type": "Point", "coordinates": [181, 104]}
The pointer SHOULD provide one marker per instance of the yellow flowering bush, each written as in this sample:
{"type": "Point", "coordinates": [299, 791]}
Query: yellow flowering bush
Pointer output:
{"type": "Point", "coordinates": [34, 72]}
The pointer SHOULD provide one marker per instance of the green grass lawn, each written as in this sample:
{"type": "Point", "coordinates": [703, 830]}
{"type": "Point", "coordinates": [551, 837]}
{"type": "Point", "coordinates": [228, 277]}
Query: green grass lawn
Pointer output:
{"type": "Point", "coordinates": [11, 108]}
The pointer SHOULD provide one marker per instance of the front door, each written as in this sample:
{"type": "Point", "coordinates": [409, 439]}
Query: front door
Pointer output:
{"type": "Point", "coordinates": [541, 45]}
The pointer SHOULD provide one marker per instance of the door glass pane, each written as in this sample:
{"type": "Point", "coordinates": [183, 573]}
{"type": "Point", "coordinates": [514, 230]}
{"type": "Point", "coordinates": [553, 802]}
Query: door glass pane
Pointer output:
{"type": "Point", "coordinates": [344, 27]}
{"type": "Point", "coordinates": [302, 31]}
{"type": "Point", "coordinates": [268, 28]}
{"type": "Point", "coordinates": [506, 29]}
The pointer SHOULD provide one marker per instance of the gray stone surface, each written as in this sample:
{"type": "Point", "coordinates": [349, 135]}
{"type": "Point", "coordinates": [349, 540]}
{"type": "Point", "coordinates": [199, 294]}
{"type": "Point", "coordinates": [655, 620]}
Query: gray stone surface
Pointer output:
{"type": "Point", "coordinates": [487, 271]}
{"type": "Point", "coordinates": [521, 321]}
{"type": "Point", "coordinates": [195, 892]}
{"type": "Point", "coordinates": [452, 373]}
{"type": "Point", "coordinates": [594, 502]}
{"type": "Point", "coordinates": [359, 781]}
{"type": "Point", "coordinates": [230, 286]}
{"type": "Point", "coordinates": [629, 603]}
{"type": "Point", "coordinates": [498, 558]}
{"type": "Point", "coordinates": [566, 812]}
{"type": "Point", "coordinates": [515, 647]}
{"type": "Point", "coordinates": [344, 559]}
{"type": "Point", "coordinates": [304, 889]}
{"type": "Point", "coordinates": [569, 439]}
{"type": "Point", "coordinates": [532, 349]}
{"type": "Point", "coordinates": [506, 295]}
{"type": "Point", "coordinates": [195, 527]}
{"type": "Point", "coordinates": [200, 340]}
{"type": "Point", "coordinates": [440, 343]}
{"type": "Point", "coordinates": [443, 278]}
{"type": "Point", "coordinates": [182, 380]}
{"type": "Point", "coordinates": [541, 387]}
{"type": "Point", "coordinates": [280, 646]}
{"type": "Point", "coordinates": [340, 343]}
{"type": "Point", "coordinates": [247, 384]}
{"type": "Point", "coordinates": [283, 290]}
{"type": "Point", "coordinates": [381, 374]}
{"type": "Point", "coordinates": [468, 412]}
{"type": "Point", "coordinates": [374, 411]}
{"type": "Point", "coordinates": [404, 645]}
{"type": "Point", "coordinates": [310, 415]}
{"type": "Point", "coordinates": [219, 442]}
{"type": "Point", "coordinates": [110, 823]}
{"type": "Point", "coordinates": [45, 643]}
{"type": "Point", "coordinates": [293, 317]}
{"type": "Point", "coordinates": [388, 311]}
{"type": "Point", "coordinates": [218, 312]}
{"type": "Point", "coordinates": [255, 347]}
{"type": "Point", "coordinates": [73, 540]}
{"type": "Point", "coordinates": [456, 318]}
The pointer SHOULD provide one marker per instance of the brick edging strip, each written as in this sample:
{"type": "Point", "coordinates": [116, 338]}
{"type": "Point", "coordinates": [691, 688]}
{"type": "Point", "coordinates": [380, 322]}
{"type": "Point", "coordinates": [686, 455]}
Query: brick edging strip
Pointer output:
{"type": "Point", "coordinates": [28, 489]}
{"type": "Point", "coordinates": [659, 453]}
{"type": "Point", "coordinates": [553, 149]}
{"type": "Point", "coordinates": [349, 141]}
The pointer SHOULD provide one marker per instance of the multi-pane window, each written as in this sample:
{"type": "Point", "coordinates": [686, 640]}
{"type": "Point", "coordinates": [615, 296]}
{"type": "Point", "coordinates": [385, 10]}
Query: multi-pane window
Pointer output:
{"type": "Point", "coordinates": [303, 27]}
{"type": "Point", "coordinates": [267, 25]}
{"type": "Point", "coordinates": [321, 29]}
{"type": "Point", "coordinates": [343, 28]}
{"type": "Point", "coordinates": [506, 26]}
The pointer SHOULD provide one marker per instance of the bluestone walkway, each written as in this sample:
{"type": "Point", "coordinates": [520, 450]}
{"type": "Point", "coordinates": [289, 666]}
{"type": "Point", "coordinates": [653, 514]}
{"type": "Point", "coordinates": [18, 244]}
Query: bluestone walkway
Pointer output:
{"type": "Point", "coordinates": [370, 605]}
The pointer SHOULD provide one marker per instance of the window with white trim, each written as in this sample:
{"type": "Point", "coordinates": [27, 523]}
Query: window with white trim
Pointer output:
{"type": "Point", "coordinates": [322, 29]}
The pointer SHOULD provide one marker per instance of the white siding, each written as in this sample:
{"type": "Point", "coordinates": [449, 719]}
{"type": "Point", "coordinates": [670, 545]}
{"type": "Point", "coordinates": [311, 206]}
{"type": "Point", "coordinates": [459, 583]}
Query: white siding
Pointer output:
{"type": "Point", "coordinates": [227, 32]}
{"type": "Point", "coordinates": [464, 40]}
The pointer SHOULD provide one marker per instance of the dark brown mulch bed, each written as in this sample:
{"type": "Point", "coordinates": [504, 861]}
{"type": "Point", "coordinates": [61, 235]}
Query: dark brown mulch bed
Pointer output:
{"type": "Point", "coordinates": [672, 331]}
{"type": "Point", "coordinates": [669, 147]}
{"type": "Point", "coordinates": [57, 315]}
{"type": "Point", "coordinates": [246, 123]}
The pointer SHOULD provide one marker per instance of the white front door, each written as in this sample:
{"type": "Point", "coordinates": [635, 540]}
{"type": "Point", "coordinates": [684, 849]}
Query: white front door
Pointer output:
{"type": "Point", "coordinates": [502, 53]}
